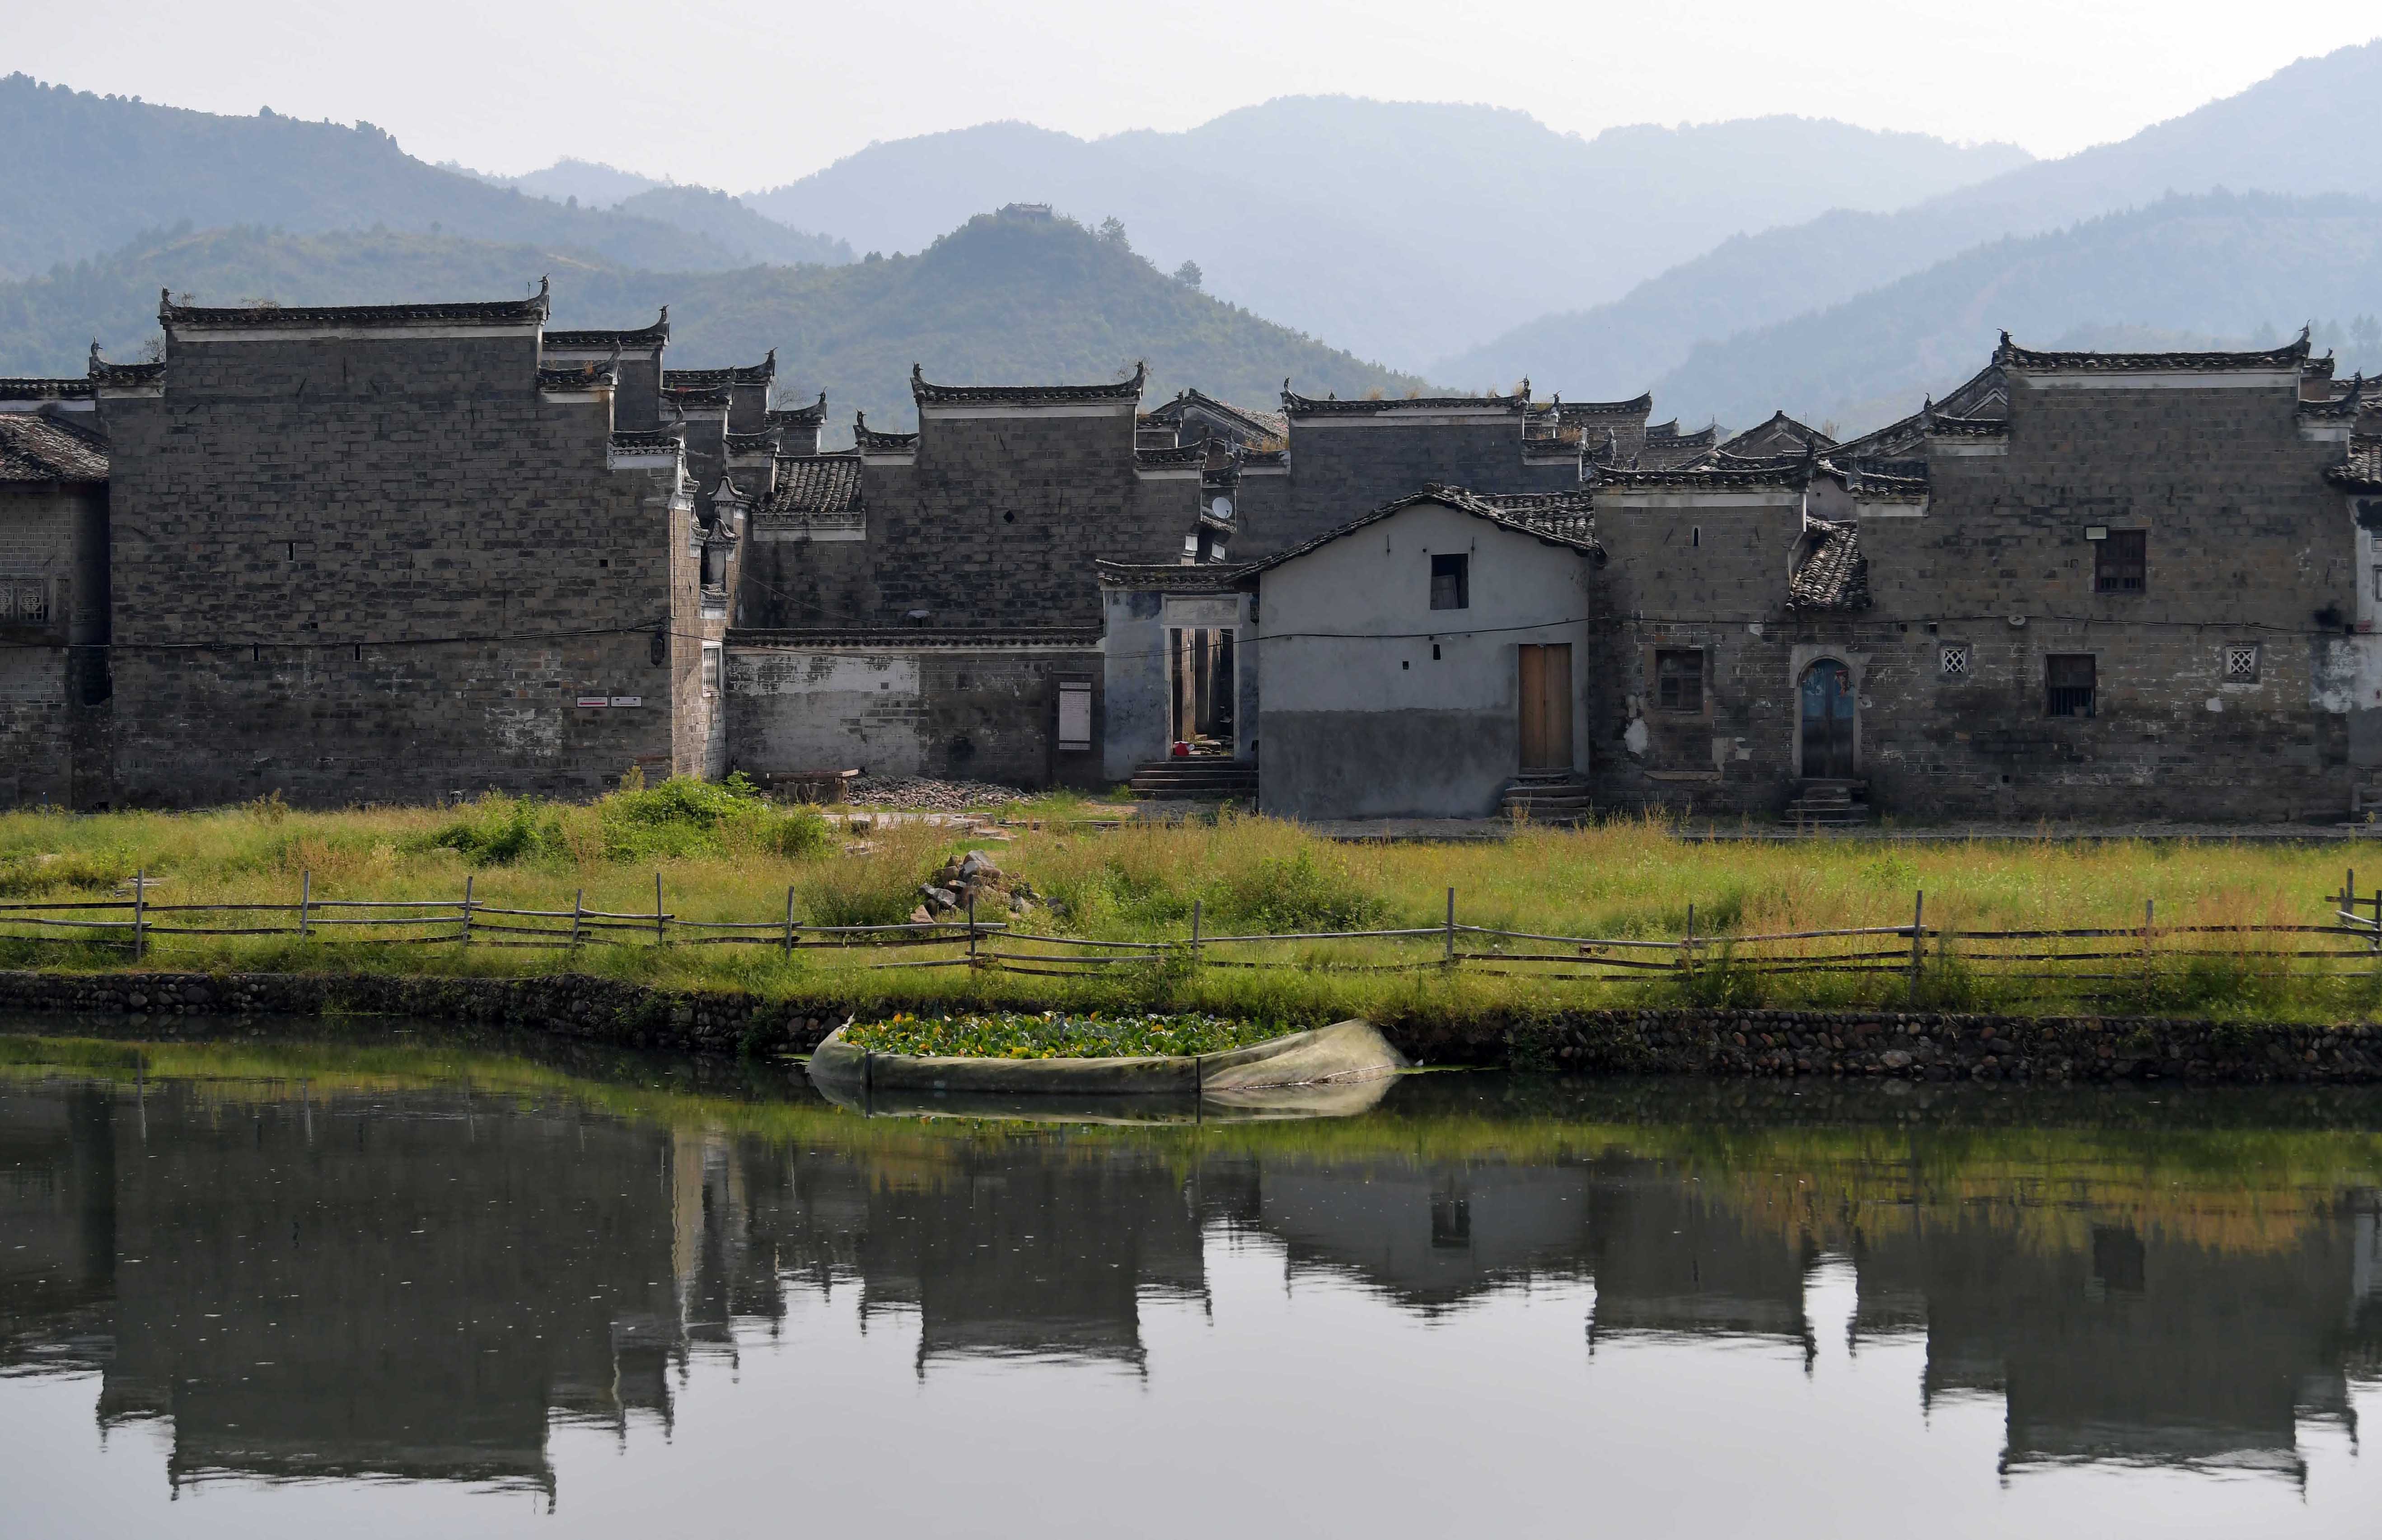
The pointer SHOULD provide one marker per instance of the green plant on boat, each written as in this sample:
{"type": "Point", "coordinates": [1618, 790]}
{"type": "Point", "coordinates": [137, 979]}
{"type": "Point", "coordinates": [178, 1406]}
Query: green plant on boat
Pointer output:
{"type": "Point", "coordinates": [1058, 1034]}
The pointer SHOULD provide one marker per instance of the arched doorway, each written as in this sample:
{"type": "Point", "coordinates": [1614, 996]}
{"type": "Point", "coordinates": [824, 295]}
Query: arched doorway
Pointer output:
{"type": "Point", "coordinates": [1827, 726]}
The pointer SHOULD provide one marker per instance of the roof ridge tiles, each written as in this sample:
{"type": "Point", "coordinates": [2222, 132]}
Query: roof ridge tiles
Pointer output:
{"type": "Point", "coordinates": [646, 337]}
{"type": "Point", "coordinates": [927, 393]}
{"type": "Point", "coordinates": [2009, 355]}
{"type": "Point", "coordinates": [36, 388]}
{"type": "Point", "coordinates": [809, 416]}
{"type": "Point", "coordinates": [1295, 404]}
{"type": "Point", "coordinates": [469, 312]}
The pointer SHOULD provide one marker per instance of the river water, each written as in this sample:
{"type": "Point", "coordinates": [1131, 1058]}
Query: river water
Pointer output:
{"type": "Point", "coordinates": [267, 1286]}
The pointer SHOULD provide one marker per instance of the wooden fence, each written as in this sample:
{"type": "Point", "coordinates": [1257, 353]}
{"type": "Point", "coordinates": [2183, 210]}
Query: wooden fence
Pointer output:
{"type": "Point", "coordinates": [2351, 939]}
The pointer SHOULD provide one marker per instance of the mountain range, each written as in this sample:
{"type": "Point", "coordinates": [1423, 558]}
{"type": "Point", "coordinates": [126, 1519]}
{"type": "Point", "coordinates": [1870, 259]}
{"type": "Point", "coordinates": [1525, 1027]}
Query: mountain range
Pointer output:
{"type": "Point", "coordinates": [1405, 231]}
{"type": "Point", "coordinates": [2288, 134]}
{"type": "Point", "coordinates": [1736, 268]}
{"type": "Point", "coordinates": [1004, 299]}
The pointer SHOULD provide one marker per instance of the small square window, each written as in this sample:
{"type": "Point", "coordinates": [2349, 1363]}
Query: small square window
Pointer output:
{"type": "Point", "coordinates": [1451, 586]}
{"type": "Point", "coordinates": [2120, 563]}
{"type": "Point", "coordinates": [2240, 662]}
{"type": "Point", "coordinates": [1679, 680]}
{"type": "Point", "coordinates": [1952, 659]}
{"type": "Point", "coordinates": [2071, 682]}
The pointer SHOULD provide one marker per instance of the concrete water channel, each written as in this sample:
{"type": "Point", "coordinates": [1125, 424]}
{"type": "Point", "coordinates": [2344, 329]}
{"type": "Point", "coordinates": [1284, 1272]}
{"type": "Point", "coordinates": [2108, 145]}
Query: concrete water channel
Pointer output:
{"type": "Point", "coordinates": [404, 1281]}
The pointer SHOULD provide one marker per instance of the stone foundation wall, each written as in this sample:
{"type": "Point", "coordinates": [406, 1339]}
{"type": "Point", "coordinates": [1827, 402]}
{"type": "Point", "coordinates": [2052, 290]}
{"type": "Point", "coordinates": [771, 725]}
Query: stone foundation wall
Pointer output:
{"type": "Point", "coordinates": [1726, 1043]}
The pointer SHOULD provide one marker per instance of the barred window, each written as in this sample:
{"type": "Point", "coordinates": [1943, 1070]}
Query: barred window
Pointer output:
{"type": "Point", "coordinates": [2070, 681]}
{"type": "Point", "coordinates": [2240, 662]}
{"type": "Point", "coordinates": [24, 600]}
{"type": "Point", "coordinates": [1952, 659]}
{"type": "Point", "coordinates": [2121, 561]}
{"type": "Point", "coordinates": [1680, 679]}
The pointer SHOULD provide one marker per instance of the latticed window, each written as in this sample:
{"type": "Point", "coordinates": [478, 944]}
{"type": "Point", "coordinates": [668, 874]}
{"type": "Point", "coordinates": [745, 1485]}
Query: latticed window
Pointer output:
{"type": "Point", "coordinates": [2121, 561]}
{"type": "Point", "coordinates": [1953, 658]}
{"type": "Point", "coordinates": [1680, 679]}
{"type": "Point", "coordinates": [2240, 662]}
{"type": "Point", "coordinates": [24, 600]}
{"type": "Point", "coordinates": [2071, 681]}
{"type": "Point", "coordinates": [711, 669]}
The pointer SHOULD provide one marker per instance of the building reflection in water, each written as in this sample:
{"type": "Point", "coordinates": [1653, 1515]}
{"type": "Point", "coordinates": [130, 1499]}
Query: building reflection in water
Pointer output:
{"type": "Point", "coordinates": [420, 1284]}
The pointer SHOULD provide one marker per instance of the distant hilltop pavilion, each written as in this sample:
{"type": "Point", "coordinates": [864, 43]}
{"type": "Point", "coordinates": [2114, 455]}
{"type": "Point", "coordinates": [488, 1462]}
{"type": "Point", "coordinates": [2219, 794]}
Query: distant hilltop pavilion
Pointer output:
{"type": "Point", "coordinates": [403, 553]}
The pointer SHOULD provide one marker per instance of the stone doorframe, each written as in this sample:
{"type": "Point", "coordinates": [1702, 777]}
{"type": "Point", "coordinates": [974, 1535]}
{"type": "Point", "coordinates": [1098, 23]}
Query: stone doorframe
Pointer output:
{"type": "Point", "coordinates": [1801, 656]}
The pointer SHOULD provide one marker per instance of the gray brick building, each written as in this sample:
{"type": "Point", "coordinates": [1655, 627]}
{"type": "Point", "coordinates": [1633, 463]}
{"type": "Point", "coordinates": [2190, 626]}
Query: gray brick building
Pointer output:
{"type": "Point", "coordinates": [395, 553]}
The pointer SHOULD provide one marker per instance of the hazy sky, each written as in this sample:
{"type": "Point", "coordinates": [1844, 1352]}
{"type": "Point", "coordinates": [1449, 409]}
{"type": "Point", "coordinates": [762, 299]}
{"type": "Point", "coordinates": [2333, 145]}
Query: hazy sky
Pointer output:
{"type": "Point", "coordinates": [747, 95]}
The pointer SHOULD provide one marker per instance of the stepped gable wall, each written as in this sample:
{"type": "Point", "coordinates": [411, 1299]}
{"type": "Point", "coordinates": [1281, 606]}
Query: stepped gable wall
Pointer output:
{"type": "Point", "coordinates": [360, 554]}
{"type": "Point", "coordinates": [2245, 545]}
{"type": "Point", "coordinates": [2237, 681]}
{"type": "Point", "coordinates": [992, 515]}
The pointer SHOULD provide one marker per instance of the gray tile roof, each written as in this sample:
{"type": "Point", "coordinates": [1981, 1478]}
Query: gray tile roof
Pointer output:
{"type": "Point", "coordinates": [1294, 405]}
{"type": "Point", "coordinates": [1835, 576]}
{"type": "Point", "coordinates": [816, 483]}
{"type": "Point", "coordinates": [869, 440]}
{"type": "Point", "coordinates": [2362, 472]}
{"type": "Point", "coordinates": [745, 374]}
{"type": "Point", "coordinates": [38, 448]}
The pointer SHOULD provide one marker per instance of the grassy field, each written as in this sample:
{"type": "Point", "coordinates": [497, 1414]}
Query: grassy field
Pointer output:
{"type": "Point", "coordinates": [721, 855]}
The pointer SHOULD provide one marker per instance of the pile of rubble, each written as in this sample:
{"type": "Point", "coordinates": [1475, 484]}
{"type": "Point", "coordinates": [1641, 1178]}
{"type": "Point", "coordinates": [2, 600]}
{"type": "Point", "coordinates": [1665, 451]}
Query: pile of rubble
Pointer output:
{"type": "Point", "coordinates": [924, 794]}
{"type": "Point", "coordinates": [974, 875]}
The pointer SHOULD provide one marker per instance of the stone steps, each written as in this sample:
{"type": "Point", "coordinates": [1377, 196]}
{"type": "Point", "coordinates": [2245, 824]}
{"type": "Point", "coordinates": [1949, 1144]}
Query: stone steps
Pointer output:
{"type": "Point", "coordinates": [1547, 799]}
{"type": "Point", "coordinates": [1197, 777]}
{"type": "Point", "coordinates": [1828, 805]}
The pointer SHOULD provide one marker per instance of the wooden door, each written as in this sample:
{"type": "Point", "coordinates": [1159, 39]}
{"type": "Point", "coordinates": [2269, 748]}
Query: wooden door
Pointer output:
{"type": "Point", "coordinates": [1546, 706]}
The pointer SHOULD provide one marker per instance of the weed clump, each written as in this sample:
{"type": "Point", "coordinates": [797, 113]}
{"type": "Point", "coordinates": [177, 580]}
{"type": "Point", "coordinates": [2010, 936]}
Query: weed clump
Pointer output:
{"type": "Point", "coordinates": [686, 818]}
{"type": "Point", "coordinates": [499, 830]}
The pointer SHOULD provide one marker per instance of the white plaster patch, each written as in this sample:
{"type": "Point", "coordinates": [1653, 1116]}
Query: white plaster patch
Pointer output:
{"type": "Point", "coordinates": [1634, 737]}
{"type": "Point", "coordinates": [528, 729]}
{"type": "Point", "coordinates": [2216, 702]}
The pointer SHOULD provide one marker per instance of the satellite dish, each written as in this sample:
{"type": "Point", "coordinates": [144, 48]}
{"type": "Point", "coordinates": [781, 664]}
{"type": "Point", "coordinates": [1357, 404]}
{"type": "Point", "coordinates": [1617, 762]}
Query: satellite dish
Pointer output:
{"type": "Point", "coordinates": [1220, 509]}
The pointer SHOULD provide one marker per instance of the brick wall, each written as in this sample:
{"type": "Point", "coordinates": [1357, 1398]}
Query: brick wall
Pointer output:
{"type": "Point", "coordinates": [373, 570]}
{"type": "Point", "coordinates": [982, 710]}
{"type": "Point", "coordinates": [2246, 545]}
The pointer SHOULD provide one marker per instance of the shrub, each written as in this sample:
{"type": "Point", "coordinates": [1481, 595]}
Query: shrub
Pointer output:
{"type": "Point", "coordinates": [500, 831]}
{"type": "Point", "coordinates": [1301, 891]}
{"type": "Point", "coordinates": [687, 817]}
{"type": "Point", "coordinates": [879, 887]}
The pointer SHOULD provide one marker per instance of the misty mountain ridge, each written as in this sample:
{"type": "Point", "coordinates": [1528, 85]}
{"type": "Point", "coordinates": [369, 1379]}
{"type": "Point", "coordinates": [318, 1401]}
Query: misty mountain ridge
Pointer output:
{"type": "Point", "coordinates": [2212, 271]}
{"type": "Point", "coordinates": [1002, 299]}
{"type": "Point", "coordinates": [593, 184]}
{"type": "Point", "coordinates": [89, 173]}
{"type": "Point", "coordinates": [2286, 134]}
{"type": "Point", "coordinates": [1403, 230]}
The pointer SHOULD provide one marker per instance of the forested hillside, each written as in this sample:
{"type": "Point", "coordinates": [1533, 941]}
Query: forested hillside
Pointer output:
{"type": "Point", "coordinates": [1002, 299]}
{"type": "Point", "coordinates": [86, 174]}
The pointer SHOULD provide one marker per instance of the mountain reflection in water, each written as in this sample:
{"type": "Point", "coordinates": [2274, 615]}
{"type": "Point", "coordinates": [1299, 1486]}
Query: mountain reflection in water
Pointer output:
{"type": "Point", "coordinates": [306, 1267]}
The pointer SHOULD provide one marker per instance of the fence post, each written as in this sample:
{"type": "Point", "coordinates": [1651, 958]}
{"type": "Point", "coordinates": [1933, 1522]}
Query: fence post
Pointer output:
{"type": "Point", "coordinates": [140, 914]}
{"type": "Point", "coordinates": [467, 911]}
{"type": "Point", "coordinates": [305, 899]}
{"type": "Point", "coordinates": [1917, 923]}
{"type": "Point", "coordinates": [578, 909]}
{"type": "Point", "coordinates": [1195, 932]}
{"type": "Point", "coordinates": [790, 920]}
{"type": "Point", "coordinates": [1448, 958]}
{"type": "Point", "coordinates": [1688, 948]}
{"type": "Point", "coordinates": [660, 939]}
{"type": "Point", "coordinates": [971, 893]}
{"type": "Point", "coordinates": [2150, 909]}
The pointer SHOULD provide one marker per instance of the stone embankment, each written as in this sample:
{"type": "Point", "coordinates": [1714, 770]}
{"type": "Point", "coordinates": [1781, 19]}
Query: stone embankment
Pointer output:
{"type": "Point", "coordinates": [1763, 1043]}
